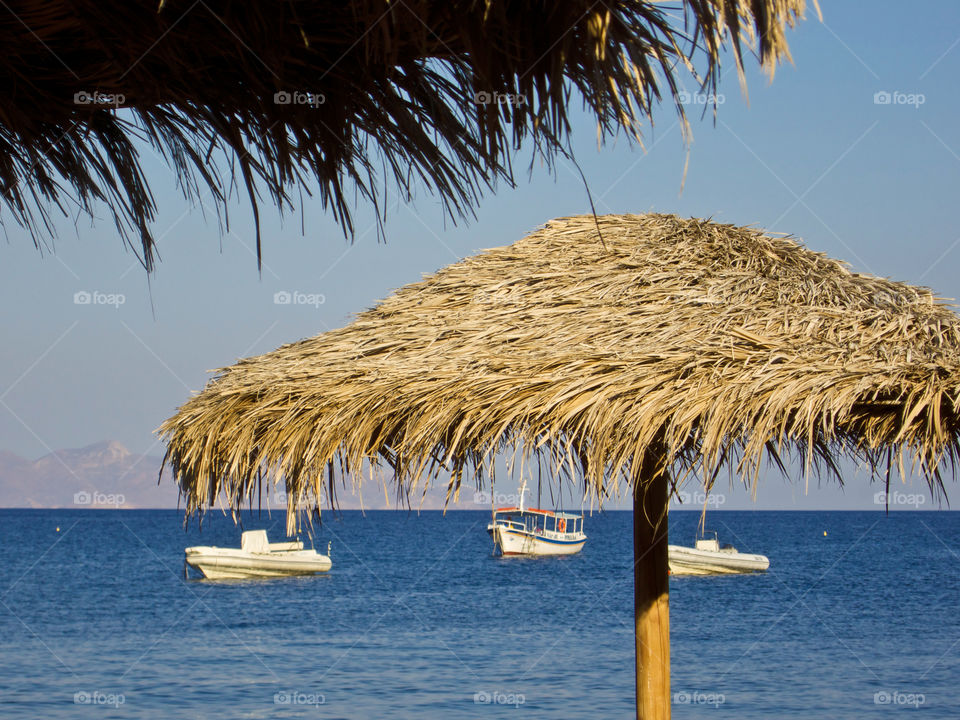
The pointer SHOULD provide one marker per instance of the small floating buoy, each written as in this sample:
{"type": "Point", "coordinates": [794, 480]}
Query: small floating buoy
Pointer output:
{"type": "Point", "coordinates": [58, 528]}
{"type": "Point", "coordinates": [824, 533]}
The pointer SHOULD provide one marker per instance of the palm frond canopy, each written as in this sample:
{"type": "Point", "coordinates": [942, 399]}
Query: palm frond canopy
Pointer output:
{"type": "Point", "coordinates": [333, 97]}
{"type": "Point", "coordinates": [721, 343]}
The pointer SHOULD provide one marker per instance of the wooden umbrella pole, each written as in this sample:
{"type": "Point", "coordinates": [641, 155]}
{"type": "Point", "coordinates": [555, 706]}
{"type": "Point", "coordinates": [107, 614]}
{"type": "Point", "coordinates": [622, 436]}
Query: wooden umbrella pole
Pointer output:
{"type": "Point", "coordinates": [651, 587]}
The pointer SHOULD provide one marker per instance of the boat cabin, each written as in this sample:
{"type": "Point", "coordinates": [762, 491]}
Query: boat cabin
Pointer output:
{"type": "Point", "coordinates": [534, 520]}
{"type": "Point", "coordinates": [712, 544]}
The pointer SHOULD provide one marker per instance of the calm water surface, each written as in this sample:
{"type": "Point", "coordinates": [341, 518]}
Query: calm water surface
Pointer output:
{"type": "Point", "coordinates": [418, 620]}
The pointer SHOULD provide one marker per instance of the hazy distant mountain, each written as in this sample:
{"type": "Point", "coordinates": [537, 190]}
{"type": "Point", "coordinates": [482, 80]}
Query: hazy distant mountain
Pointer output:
{"type": "Point", "coordinates": [107, 475]}
{"type": "Point", "coordinates": [103, 475]}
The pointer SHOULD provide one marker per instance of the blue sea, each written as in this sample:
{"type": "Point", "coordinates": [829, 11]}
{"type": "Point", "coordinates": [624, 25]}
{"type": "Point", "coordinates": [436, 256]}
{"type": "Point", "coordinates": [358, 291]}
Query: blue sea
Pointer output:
{"type": "Point", "coordinates": [857, 616]}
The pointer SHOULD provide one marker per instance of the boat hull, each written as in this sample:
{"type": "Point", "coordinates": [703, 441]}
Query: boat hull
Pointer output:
{"type": "Point", "coordinates": [515, 542]}
{"type": "Point", "coordinates": [690, 561]}
{"type": "Point", "coordinates": [225, 563]}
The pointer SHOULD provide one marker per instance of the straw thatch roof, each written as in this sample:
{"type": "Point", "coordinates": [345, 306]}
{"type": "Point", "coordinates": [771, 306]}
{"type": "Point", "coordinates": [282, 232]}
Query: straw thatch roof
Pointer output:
{"type": "Point", "coordinates": [282, 97]}
{"type": "Point", "coordinates": [722, 342]}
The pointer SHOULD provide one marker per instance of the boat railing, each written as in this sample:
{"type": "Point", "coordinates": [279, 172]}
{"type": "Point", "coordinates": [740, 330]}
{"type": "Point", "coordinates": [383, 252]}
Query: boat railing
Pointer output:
{"type": "Point", "coordinates": [564, 526]}
{"type": "Point", "coordinates": [285, 546]}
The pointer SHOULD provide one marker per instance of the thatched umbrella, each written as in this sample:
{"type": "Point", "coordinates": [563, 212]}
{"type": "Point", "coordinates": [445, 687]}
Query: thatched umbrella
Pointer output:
{"type": "Point", "coordinates": [656, 350]}
{"type": "Point", "coordinates": [285, 97]}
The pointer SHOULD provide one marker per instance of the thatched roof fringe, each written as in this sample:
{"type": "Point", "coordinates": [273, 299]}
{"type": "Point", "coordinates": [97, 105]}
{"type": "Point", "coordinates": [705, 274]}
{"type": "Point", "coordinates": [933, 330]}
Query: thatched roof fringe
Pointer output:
{"type": "Point", "coordinates": [722, 344]}
{"type": "Point", "coordinates": [282, 97]}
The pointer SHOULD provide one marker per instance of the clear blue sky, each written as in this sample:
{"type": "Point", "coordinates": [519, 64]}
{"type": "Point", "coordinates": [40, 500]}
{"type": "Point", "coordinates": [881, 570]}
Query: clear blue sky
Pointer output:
{"type": "Point", "coordinates": [811, 154]}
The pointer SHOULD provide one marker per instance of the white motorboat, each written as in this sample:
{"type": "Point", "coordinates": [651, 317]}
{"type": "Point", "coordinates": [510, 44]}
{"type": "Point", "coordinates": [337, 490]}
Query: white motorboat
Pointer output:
{"type": "Point", "coordinates": [709, 557]}
{"type": "Point", "coordinates": [256, 558]}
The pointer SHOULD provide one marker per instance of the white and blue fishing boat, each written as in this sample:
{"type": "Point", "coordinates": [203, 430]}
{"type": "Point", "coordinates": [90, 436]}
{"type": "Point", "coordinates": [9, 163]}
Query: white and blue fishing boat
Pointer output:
{"type": "Point", "coordinates": [532, 531]}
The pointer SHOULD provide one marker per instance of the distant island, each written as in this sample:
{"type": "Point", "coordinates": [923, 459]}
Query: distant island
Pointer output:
{"type": "Point", "coordinates": [103, 475]}
{"type": "Point", "coordinates": [106, 475]}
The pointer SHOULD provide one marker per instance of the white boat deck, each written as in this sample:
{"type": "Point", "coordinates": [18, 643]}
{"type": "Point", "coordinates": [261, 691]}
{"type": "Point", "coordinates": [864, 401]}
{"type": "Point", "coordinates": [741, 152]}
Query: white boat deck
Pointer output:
{"type": "Point", "coordinates": [256, 558]}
